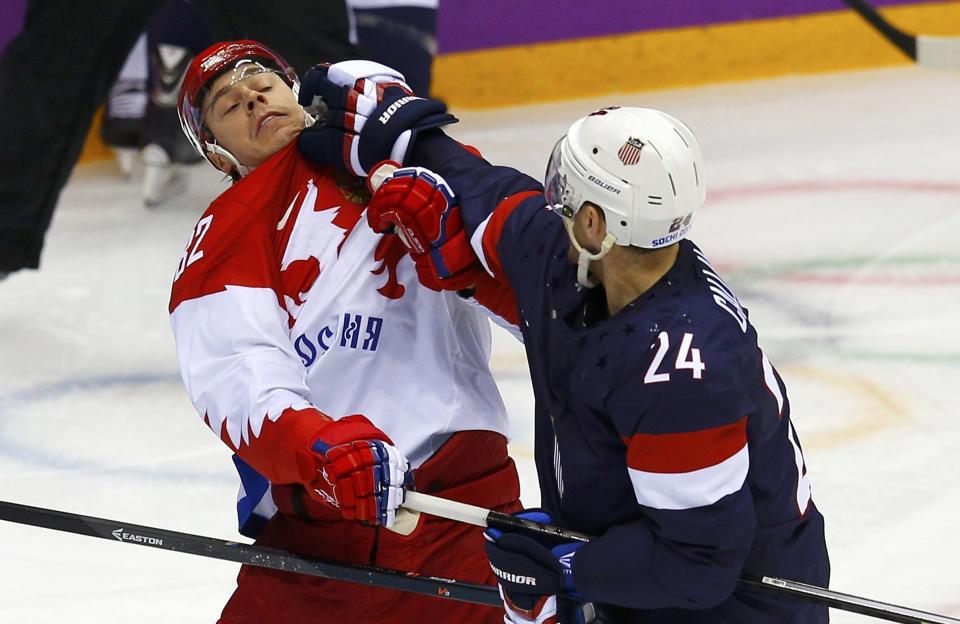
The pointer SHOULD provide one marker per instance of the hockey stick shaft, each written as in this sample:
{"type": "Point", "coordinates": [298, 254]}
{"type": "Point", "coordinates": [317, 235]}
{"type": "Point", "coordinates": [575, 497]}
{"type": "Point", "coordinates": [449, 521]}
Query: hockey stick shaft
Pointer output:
{"type": "Point", "coordinates": [847, 602]}
{"type": "Point", "coordinates": [479, 516]}
{"type": "Point", "coordinates": [248, 554]}
{"type": "Point", "coordinates": [927, 50]}
{"type": "Point", "coordinates": [906, 43]}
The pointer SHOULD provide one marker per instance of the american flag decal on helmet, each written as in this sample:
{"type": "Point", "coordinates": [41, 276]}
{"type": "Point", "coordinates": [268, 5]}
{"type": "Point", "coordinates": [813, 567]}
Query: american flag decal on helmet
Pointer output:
{"type": "Point", "coordinates": [629, 154]}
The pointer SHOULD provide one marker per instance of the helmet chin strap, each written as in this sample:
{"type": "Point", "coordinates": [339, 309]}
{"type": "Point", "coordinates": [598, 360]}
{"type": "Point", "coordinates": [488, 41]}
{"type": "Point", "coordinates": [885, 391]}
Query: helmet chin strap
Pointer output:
{"type": "Point", "coordinates": [584, 256]}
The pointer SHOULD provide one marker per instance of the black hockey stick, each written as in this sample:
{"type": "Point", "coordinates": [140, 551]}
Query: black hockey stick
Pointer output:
{"type": "Point", "coordinates": [927, 50]}
{"type": "Point", "coordinates": [248, 554]}
{"type": "Point", "coordinates": [847, 602]}
{"type": "Point", "coordinates": [479, 516]}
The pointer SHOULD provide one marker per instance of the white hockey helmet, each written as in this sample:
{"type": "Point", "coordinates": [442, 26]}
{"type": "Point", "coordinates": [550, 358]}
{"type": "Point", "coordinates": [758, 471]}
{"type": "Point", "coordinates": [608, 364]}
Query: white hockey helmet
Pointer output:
{"type": "Point", "coordinates": [641, 166]}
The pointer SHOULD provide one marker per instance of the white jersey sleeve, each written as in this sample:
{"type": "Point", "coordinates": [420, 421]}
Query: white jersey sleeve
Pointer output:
{"type": "Point", "coordinates": [237, 362]}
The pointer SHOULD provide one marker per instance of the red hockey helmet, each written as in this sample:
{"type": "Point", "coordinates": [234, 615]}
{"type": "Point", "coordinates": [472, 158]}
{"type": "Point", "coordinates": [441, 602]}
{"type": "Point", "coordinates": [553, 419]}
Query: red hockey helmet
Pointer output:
{"type": "Point", "coordinates": [210, 64]}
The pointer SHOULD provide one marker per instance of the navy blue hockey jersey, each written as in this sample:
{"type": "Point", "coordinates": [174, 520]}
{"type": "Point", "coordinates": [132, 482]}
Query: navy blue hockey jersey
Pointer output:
{"type": "Point", "coordinates": [664, 430]}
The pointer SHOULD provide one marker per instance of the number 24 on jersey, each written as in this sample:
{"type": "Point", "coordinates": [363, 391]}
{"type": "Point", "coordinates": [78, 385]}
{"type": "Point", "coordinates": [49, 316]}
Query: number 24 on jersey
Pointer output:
{"type": "Point", "coordinates": [688, 358]}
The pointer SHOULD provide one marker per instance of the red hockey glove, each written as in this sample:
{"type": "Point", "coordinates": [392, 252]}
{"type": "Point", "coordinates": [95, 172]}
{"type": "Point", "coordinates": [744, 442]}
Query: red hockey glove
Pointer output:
{"type": "Point", "coordinates": [421, 208]}
{"type": "Point", "coordinates": [355, 468]}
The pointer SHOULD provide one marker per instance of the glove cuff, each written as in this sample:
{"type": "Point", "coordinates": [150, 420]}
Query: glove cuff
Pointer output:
{"type": "Point", "coordinates": [380, 172]}
{"type": "Point", "coordinates": [347, 429]}
{"type": "Point", "coordinates": [401, 147]}
{"type": "Point", "coordinates": [566, 554]}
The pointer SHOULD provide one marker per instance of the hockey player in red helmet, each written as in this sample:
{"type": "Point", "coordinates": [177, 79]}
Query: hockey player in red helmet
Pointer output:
{"type": "Point", "coordinates": [220, 93]}
{"type": "Point", "coordinates": [308, 346]}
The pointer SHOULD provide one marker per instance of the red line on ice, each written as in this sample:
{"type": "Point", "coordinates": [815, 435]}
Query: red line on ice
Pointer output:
{"type": "Point", "coordinates": [827, 186]}
{"type": "Point", "coordinates": [873, 280]}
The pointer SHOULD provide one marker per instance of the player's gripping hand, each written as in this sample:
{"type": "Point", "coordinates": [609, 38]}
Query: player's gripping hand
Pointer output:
{"type": "Point", "coordinates": [419, 206]}
{"type": "Point", "coordinates": [354, 467]}
{"type": "Point", "coordinates": [367, 114]}
{"type": "Point", "coordinates": [534, 573]}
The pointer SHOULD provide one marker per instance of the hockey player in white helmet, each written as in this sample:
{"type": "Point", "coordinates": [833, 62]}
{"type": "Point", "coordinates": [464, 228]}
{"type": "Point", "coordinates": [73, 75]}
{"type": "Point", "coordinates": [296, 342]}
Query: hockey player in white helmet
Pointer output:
{"type": "Point", "coordinates": [646, 202]}
{"type": "Point", "coordinates": [661, 427]}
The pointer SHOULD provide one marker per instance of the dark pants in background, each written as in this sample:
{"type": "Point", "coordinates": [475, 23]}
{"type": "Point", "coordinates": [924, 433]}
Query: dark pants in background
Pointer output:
{"type": "Point", "coordinates": [57, 72]}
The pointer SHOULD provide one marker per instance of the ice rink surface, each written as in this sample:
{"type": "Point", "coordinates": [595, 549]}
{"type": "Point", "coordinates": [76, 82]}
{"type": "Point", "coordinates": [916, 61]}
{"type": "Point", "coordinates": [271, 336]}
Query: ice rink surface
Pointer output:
{"type": "Point", "coordinates": [833, 211]}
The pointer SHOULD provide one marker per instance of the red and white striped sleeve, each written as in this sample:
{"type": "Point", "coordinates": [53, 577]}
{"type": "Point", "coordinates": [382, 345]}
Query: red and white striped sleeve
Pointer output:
{"type": "Point", "coordinates": [687, 470]}
{"type": "Point", "coordinates": [486, 236]}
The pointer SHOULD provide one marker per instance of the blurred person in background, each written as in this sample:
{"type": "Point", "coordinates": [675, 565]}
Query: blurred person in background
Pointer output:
{"type": "Point", "coordinates": [140, 116]}
{"type": "Point", "coordinates": [57, 72]}
{"type": "Point", "coordinates": [398, 33]}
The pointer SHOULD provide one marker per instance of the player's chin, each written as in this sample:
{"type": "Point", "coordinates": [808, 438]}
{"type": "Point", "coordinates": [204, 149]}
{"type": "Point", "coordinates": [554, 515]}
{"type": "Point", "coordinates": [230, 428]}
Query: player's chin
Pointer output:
{"type": "Point", "coordinates": [280, 137]}
{"type": "Point", "coordinates": [572, 254]}
{"type": "Point", "coordinates": [290, 129]}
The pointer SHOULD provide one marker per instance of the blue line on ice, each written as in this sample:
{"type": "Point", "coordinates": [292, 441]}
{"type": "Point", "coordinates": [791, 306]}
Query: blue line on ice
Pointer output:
{"type": "Point", "coordinates": [16, 403]}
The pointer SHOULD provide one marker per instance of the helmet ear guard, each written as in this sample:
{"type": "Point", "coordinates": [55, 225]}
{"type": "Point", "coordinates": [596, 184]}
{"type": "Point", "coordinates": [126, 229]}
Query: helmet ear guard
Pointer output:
{"type": "Point", "coordinates": [239, 171]}
{"type": "Point", "coordinates": [641, 166]}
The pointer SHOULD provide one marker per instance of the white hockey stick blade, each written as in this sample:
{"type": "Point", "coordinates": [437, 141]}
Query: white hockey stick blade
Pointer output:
{"type": "Point", "coordinates": [405, 522]}
{"type": "Point", "coordinates": [938, 52]}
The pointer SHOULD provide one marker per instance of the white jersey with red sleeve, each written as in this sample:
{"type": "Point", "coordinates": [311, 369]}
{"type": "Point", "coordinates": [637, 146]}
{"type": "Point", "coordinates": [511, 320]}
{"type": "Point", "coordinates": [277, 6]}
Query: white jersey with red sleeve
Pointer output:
{"type": "Point", "coordinates": [287, 309]}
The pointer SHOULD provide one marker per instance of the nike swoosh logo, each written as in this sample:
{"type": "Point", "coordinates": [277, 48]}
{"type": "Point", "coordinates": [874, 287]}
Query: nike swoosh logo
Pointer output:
{"type": "Point", "coordinates": [283, 221]}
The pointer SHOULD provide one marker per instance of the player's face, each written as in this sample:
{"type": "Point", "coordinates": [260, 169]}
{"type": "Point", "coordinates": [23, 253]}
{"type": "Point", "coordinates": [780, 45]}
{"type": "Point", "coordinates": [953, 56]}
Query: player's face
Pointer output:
{"type": "Point", "coordinates": [254, 117]}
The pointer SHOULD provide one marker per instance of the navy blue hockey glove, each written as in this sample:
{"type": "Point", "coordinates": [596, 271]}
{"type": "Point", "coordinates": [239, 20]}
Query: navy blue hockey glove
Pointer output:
{"type": "Point", "coordinates": [366, 114]}
{"type": "Point", "coordinates": [532, 571]}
